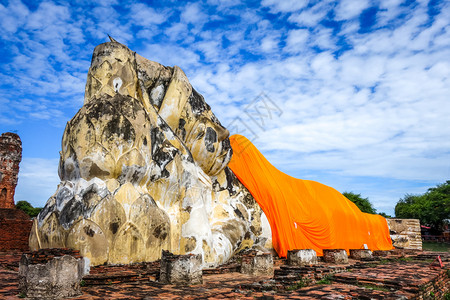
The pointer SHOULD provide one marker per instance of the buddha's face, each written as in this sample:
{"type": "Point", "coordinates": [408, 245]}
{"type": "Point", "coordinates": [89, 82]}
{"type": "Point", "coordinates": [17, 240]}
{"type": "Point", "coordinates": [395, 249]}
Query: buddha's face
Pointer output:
{"type": "Point", "coordinates": [209, 144]}
{"type": "Point", "coordinates": [184, 110]}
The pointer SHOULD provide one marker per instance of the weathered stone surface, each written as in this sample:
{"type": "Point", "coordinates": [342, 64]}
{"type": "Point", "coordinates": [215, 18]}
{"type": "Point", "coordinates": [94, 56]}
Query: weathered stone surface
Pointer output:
{"type": "Point", "coordinates": [302, 257]}
{"type": "Point", "coordinates": [10, 157]}
{"type": "Point", "coordinates": [181, 269]}
{"type": "Point", "coordinates": [405, 233]}
{"type": "Point", "coordinates": [143, 169]}
{"type": "Point", "coordinates": [55, 278]}
{"type": "Point", "coordinates": [335, 256]}
{"type": "Point", "coordinates": [360, 254]}
{"type": "Point", "coordinates": [381, 253]}
{"type": "Point", "coordinates": [259, 264]}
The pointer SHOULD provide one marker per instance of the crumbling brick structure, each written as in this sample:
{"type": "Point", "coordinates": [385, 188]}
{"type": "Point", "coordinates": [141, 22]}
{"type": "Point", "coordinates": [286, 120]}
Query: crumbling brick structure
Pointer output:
{"type": "Point", "coordinates": [10, 157]}
{"type": "Point", "coordinates": [15, 227]}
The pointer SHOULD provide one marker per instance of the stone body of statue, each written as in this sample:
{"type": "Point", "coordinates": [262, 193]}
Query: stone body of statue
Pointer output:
{"type": "Point", "coordinates": [143, 167]}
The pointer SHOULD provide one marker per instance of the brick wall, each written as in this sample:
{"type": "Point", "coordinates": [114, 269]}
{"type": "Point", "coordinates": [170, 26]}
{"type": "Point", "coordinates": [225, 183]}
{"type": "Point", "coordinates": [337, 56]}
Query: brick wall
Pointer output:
{"type": "Point", "coordinates": [10, 157]}
{"type": "Point", "coordinates": [405, 233]}
{"type": "Point", "coordinates": [15, 227]}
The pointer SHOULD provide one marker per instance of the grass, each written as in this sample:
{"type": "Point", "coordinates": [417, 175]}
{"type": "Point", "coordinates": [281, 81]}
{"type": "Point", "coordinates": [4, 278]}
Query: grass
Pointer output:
{"type": "Point", "coordinates": [299, 284]}
{"type": "Point", "coordinates": [437, 247]}
{"type": "Point", "coordinates": [328, 279]}
{"type": "Point", "coordinates": [374, 287]}
{"type": "Point", "coordinates": [405, 259]}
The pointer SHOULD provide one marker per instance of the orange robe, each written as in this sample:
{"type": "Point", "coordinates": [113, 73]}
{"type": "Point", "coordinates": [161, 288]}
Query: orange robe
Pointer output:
{"type": "Point", "coordinates": [305, 214]}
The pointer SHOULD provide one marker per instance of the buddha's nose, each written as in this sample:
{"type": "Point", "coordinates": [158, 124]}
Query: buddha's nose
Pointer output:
{"type": "Point", "coordinates": [222, 133]}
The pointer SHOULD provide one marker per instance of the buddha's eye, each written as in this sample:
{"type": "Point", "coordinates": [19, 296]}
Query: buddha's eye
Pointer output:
{"type": "Point", "coordinates": [200, 131]}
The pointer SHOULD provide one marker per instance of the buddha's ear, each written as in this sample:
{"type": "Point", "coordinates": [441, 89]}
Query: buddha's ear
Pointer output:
{"type": "Point", "coordinates": [175, 99]}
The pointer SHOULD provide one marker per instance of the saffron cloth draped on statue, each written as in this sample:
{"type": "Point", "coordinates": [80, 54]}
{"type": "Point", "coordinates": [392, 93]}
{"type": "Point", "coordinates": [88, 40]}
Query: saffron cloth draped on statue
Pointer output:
{"type": "Point", "coordinates": [305, 214]}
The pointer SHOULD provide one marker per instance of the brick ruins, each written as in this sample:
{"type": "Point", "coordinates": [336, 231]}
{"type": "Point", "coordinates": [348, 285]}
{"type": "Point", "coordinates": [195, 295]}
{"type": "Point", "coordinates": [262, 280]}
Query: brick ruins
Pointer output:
{"type": "Point", "coordinates": [405, 233]}
{"type": "Point", "coordinates": [10, 157]}
{"type": "Point", "coordinates": [15, 225]}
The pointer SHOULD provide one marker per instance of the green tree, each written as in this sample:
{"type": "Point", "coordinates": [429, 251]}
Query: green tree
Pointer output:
{"type": "Point", "coordinates": [28, 208]}
{"type": "Point", "coordinates": [431, 208]}
{"type": "Point", "coordinates": [363, 203]}
{"type": "Point", "coordinates": [384, 215]}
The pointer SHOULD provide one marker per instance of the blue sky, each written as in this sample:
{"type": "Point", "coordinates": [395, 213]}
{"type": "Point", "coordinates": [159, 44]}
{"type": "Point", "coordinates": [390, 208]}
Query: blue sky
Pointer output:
{"type": "Point", "coordinates": [360, 89]}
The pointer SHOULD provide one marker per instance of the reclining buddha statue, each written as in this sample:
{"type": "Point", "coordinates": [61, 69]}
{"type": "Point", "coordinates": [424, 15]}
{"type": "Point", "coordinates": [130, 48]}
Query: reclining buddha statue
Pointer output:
{"type": "Point", "coordinates": [145, 167]}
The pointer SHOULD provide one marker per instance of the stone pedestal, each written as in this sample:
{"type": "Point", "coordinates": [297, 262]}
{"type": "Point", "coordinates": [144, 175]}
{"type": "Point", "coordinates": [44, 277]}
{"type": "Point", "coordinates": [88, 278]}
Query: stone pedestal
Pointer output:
{"type": "Point", "coordinates": [50, 274]}
{"type": "Point", "coordinates": [181, 269]}
{"type": "Point", "coordinates": [257, 264]}
{"type": "Point", "coordinates": [381, 253]}
{"type": "Point", "coordinates": [360, 254]}
{"type": "Point", "coordinates": [303, 257]}
{"type": "Point", "coordinates": [335, 256]}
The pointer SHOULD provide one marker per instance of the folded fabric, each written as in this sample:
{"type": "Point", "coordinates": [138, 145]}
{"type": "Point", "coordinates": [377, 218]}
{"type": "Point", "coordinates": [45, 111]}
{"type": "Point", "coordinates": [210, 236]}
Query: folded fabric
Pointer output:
{"type": "Point", "coordinates": [305, 214]}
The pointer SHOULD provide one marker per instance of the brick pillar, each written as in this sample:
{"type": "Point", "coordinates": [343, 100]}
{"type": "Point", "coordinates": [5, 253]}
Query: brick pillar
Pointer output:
{"type": "Point", "coordinates": [10, 157]}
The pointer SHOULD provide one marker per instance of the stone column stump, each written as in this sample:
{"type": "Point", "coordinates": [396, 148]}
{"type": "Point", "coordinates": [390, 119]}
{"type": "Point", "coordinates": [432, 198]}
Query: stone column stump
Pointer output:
{"type": "Point", "coordinates": [51, 273]}
{"type": "Point", "coordinates": [361, 254]}
{"type": "Point", "coordinates": [302, 257]}
{"type": "Point", "coordinates": [381, 253]}
{"type": "Point", "coordinates": [181, 269]}
{"type": "Point", "coordinates": [257, 264]}
{"type": "Point", "coordinates": [335, 256]}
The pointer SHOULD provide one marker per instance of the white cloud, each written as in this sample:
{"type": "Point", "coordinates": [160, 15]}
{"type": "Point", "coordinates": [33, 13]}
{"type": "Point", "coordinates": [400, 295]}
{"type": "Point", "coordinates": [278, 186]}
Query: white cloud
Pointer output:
{"type": "Point", "coordinates": [284, 5]}
{"type": "Point", "coordinates": [144, 15]}
{"type": "Point", "coordinates": [296, 40]}
{"type": "Point", "coordinates": [349, 9]}
{"type": "Point", "coordinates": [171, 55]}
{"type": "Point", "coordinates": [311, 17]}
{"type": "Point", "coordinates": [354, 104]}
{"type": "Point", "coordinates": [269, 44]}
{"type": "Point", "coordinates": [193, 14]}
{"type": "Point", "coordinates": [38, 179]}
{"type": "Point", "coordinates": [13, 16]}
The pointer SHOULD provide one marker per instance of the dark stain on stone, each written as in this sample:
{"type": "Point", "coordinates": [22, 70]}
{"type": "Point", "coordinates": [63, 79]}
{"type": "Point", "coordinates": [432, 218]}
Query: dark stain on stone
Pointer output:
{"type": "Point", "coordinates": [239, 213]}
{"type": "Point", "coordinates": [230, 180]}
{"type": "Point", "coordinates": [157, 138]}
{"type": "Point", "coordinates": [255, 231]}
{"type": "Point", "coordinates": [89, 231]}
{"type": "Point", "coordinates": [95, 109]}
{"type": "Point", "coordinates": [160, 232]}
{"type": "Point", "coordinates": [71, 211]}
{"type": "Point", "coordinates": [95, 171]}
{"type": "Point", "coordinates": [191, 242]}
{"type": "Point", "coordinates": [231, 231]}
{"type": "Point", "coordinates": [198, 103]}
{"type": "Point", "coordinates": [181, 129]}
{"type": "Point", "coordinates": [45, 211]}
{"type": "Point", "coordinates": [145, 141]}
{"type": "Point", "coordinates": [165, 154]}
{"type": "Point", "coordinates": [119, 127]}
{"type": "Point", "coordinates": [165, 173]}
{"type": "Point", "coordinates": [210, 139]}
{"type": "Point", "coordinates": [114, 227]}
